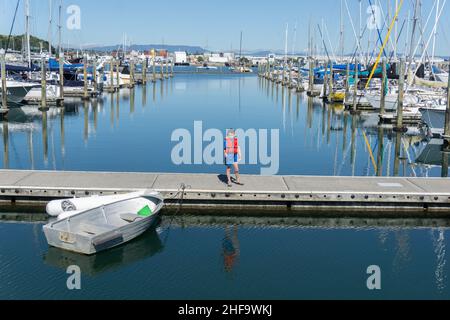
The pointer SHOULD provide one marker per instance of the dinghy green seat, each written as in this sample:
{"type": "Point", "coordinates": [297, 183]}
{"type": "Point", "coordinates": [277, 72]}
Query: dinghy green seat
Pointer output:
{"type": "Point", "coordinates": [143, 213]}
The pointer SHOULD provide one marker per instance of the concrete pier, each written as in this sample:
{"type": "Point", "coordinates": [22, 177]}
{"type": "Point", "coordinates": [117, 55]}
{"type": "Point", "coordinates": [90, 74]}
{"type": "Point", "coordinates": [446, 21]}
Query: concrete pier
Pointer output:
{"type": "Point", "coordinates": [392, 197]}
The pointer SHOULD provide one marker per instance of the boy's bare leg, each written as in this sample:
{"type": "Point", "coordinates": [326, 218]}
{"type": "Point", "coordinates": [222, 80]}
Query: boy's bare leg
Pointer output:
{"type": "Point", "coordinates": [236, 171]}
{"type": "Point", "coordinates": [229, 175]}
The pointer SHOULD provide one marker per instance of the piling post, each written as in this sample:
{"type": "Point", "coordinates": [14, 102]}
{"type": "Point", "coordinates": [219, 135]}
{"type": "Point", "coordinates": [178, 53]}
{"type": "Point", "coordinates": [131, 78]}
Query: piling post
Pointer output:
{"type": "Point", "coordinates": [94, 76]}
{"type": "Point", "coordinates": [380, 151]}
{"type": "Point", "coordinates": [167, 69]}
{"type": "Point", "coordinates": [154, 70]}
{"type": "Point", "coordinates": [162, 70]}
{"type": "Point", "coordinates": [111, 76]}
{"type": "Point", "coordinates": [85, 88]}
{"type": "Point", "coordinates": [311, 77]}
{"type": "Point", "coordinates": [401, 92]}
{"type": "Point", "coordinates": [144, 71]}
{"type": "Point", "coordinates": [447, 119]}
{"type": "Point", "coordinates": [4, 109]}
{"type": "Point", "coordinates": [355, 89]}
{"type": "Point", "coordinates": [118, 74]}
{"type": "Point", "coordinates": [398, 144]}
{"type": "Point", "coordinates": [347, 80]}
{"type": "Point", "coordinates": [330, 86]}
{"type": "Point", "coordinates": [325, 86]}
{"type": "Point", "coordinates": [43, 85]}
{"type": "Point", "coordinates": [383, 88]}
{"type": "Point", "coordinates": [171, 68]}
{"type": "Point", "coordinates": [290, 76]}
{"type": "Point", "coordinates": [60, 101]}
{"type": "Point", "coordinates": [131, 74]}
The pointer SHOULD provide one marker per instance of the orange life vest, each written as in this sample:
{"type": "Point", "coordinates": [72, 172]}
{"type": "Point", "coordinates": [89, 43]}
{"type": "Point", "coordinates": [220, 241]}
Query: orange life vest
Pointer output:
{"type": "Point", "coordinates": [232, 146]}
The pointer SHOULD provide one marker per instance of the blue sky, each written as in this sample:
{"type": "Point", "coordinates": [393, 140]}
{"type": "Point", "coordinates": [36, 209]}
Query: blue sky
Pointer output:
{"type": "Point", "coordinates": [208, 23]}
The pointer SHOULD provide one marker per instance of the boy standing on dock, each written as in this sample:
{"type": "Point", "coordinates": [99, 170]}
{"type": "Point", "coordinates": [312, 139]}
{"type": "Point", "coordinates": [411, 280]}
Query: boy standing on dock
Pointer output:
{"type": "Point", "coordinates": [232, 153]}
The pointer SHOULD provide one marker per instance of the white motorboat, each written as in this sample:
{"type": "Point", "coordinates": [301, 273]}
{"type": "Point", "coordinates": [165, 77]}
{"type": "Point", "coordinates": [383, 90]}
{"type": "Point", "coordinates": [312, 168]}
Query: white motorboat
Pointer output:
{"type": "Point", "coordinates": [17, 90]}
{"type": "Point", "coordinates": [391, 100]}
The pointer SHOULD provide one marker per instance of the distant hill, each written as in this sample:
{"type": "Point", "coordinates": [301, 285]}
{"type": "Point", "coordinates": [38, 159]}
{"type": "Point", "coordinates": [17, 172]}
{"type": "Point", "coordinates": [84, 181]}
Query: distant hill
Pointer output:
{"type": "Point", "coordinates": [16, 43]}
{"type": "Point", "coordinates": [170, 48]}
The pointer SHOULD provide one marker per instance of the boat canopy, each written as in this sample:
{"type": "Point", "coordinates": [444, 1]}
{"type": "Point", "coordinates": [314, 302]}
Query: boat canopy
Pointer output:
{"type": "Point", "coordinates": [16, 68]}
{"type": "Point", "coordinates": [54, 65]}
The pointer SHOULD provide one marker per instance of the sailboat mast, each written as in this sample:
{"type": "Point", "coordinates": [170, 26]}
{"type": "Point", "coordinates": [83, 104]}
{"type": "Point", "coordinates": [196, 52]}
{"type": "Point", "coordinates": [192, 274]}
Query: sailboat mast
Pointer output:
{"type": "Point", "coordinates": [27, 32]}
{"type": "Point", "coordinates": [341, 40]}
{"type": "Point", "coordinates": [59, 26]}
{"type": "Point", "coordinates": [435, 30]}
{"type": "Point", "coordinates": [50, 26]}
{"type": "Point", "coordinates": [396, 32]}
{"type": "Point", "coordinates": [286, 44]}
{"type": "Point", "coordinates": [360, 31]}
{"type": "Point", "coordinates": [413, 34]}
{"type": "Point", "coordinates": [294, 40]}
{"type": "Point", "coordinates": [240, 51]}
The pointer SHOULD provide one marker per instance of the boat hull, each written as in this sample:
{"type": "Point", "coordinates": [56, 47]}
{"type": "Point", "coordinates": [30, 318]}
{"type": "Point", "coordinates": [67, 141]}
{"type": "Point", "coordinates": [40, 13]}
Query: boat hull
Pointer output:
{"type": "Point", "coordinates": [434, 118]}
{"type": "Point", "coordinates": [16, 93]}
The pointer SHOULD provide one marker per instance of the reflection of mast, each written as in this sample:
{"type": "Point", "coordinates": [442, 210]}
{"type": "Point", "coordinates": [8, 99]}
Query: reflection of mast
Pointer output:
{"type": "Point", "coordinates": [44, 136]}
{"type": "Point", "coordinates": [63, 134]}
{"type": "Point", "coordinates": [5, 145]}
{"type": "Point", "coordinates": [290, 111]}
{"type": "Point", "coordinates": [353, 146]}
{"type": "Point", "coordinates": [86, 121]}
{"type": "Point", "coordinates": [440, 251]}
{"type": "Point", "coordinates": [389, 159]}
{"type": "Point", "coordinates": [398, 141]}
{"type": "Point", "coordinates": [344, 141]}
{"type": "Point", "coordinates": [329, 126]}
{"type": "Point", "coordinates": [444, 172]}
{"type": "Point", "coordinates": [95, 111]}
{"type": "Point", "coordinates": [239, 95]}
{"type": "Point", "coordinates": [144, 96]}
{"type": "Point", "coordinates": [31, 148]}
{"type": "Point", "coordinates": [380, 151]}
{"type": "Point", "coordinates": [118, 106]}
{"type": "Point", "coordinates": [112, 110]}
{"type": "Point", "coordinates": [402, 254]}
{"type": "Point", "coordinates": [283, 102]}
{"type": "Point", "coordinates": [309, 117]}
{"type": "Point", "coordinates": [131, 100]}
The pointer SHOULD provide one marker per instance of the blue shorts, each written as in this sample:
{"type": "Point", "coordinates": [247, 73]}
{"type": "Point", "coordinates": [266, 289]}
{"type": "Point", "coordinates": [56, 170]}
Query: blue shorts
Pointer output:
{"type": "Point", "coordinates": [231, 159]}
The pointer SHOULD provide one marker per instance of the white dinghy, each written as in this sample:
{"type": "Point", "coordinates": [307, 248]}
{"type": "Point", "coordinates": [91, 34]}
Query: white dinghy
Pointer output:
{"type": "Point", "coordinates": [105, 226]}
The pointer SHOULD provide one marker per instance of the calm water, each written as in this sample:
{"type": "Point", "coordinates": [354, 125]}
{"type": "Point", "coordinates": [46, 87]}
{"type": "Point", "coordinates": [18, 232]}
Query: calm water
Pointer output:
{"type": "Point", "coordinates": [229, 262]}
{"type": "Point", "coordinates": [132, 131]}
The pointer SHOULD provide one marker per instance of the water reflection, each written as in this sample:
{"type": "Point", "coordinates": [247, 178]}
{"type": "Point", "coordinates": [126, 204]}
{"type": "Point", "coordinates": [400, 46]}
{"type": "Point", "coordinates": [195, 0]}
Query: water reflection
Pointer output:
{"type": "Point", "coordinates": [142, 248]}
{"type": "Point", "coordinates": [5, 145]}
{"type": "Point", "coordinates": [327, 141]}
{"type": "Point", "coordinates": [230, 248]}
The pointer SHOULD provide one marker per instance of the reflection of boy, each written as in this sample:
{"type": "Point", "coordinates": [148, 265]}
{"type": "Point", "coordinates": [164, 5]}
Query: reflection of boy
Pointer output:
{"type": "Point", "coordinates": [231, 249]}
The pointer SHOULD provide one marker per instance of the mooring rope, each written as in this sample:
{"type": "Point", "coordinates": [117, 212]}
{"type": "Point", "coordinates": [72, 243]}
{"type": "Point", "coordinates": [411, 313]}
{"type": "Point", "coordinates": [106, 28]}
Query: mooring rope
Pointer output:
{"type": "Point", "coordinates": [181, 190]}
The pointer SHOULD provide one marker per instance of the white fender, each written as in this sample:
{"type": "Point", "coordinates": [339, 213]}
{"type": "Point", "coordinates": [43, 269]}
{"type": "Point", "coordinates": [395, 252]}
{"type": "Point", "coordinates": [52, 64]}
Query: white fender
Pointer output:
{"type": "Point", "coordinates": [57, 207]}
